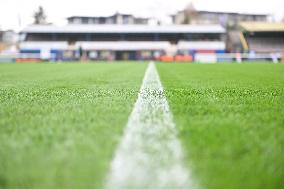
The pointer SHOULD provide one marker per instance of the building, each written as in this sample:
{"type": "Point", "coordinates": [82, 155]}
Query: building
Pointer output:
{"type": "Point", "coordinates": [120, 42]}
{"type": "Point", "coordinates": [8, 39]}
{"type": "Point", "coordinates": [262, 37]}
{"type": "Point", "coordinates": [114, 19]}
{"type": "Point", "coordinates": [227, 19]}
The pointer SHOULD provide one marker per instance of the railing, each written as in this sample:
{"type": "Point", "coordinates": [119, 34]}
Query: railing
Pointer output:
{"type": "Point", "coordinates": [197, 57]}
{"type": "Point", "coordinates": [19, 57]}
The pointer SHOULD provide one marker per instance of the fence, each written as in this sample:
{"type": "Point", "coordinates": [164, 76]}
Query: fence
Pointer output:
{"type": "Point", "coordinates": [198, 57]}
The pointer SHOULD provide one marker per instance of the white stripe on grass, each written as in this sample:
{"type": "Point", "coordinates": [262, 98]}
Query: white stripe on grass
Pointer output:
{"type": "Point", "coordinates": [150, 155]}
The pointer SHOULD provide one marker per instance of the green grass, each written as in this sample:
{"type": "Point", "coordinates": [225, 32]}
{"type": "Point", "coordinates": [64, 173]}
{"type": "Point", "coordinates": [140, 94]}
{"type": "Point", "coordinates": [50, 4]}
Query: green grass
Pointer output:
{"type": "Point", "coordinates": [231, 122]}
{"type": "Point", "coordinates": [60, 123]}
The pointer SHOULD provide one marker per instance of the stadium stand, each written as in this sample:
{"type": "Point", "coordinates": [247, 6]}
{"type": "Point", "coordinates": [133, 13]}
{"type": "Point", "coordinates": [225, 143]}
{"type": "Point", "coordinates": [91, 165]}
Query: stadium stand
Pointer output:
{"type": "Point", "coordinates": [121, 42]}
{"type": "Point", "coordinates": [264, 37]}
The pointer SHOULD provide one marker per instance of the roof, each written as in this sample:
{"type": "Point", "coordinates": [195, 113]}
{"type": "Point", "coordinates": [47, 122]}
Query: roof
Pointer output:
{"type": "Point", "coordinates": [230, 13]}
{"type": "Point", "coordinates": [123, 45]}
{"type": "Point", "coordinates": [109, 16]}
{"type": "Point", "coordinates": [202, 10]}
{"type": "Point", "coordinates": [234, 13]}
{"type": "Point", "coordinates": [72, 17]}
{"type": "Point", "coordinates": [208, 45]}
{"type": "Point", "coordinates": [262, 27]}
{"type": "Point", "coordinates": [124, 29]}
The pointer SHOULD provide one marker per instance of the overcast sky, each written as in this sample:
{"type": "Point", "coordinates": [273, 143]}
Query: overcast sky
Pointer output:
{"type": "Point", "coordinates": [15, 14]}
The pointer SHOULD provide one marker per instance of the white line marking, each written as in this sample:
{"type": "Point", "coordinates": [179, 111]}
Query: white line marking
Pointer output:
{"type": "Point", "coordinates": [150, 155]}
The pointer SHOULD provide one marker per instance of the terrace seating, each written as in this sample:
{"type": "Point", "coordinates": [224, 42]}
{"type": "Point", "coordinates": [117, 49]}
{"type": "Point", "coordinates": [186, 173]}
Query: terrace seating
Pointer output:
{"type": "Point", "coordinates": [266, 45]}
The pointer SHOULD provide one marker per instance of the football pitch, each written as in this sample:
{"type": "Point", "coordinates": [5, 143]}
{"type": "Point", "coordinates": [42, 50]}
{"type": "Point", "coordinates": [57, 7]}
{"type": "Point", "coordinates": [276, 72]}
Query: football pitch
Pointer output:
{"type": "Point", "coordinates": [66, 126]}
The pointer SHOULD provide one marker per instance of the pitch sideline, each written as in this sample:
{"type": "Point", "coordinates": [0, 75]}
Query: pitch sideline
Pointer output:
{"type": "Point", "coordinates": [149, 156]}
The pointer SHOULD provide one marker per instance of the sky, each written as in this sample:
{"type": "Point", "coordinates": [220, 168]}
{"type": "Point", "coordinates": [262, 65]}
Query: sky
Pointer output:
{"type": "Point", "coordinates": [16, 14]}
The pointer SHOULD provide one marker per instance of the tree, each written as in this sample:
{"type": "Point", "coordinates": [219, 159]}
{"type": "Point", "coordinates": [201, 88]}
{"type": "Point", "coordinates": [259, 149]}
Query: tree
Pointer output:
{"type": "Point", "coordinates": [40, 16]}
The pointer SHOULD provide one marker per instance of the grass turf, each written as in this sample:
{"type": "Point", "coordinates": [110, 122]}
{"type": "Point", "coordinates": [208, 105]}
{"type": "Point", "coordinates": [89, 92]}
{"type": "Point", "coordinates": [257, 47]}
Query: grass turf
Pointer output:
{"type": "Point", "coordinates": [60, 123]}
{"type": "Point", "coordinates": [231, 122]}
